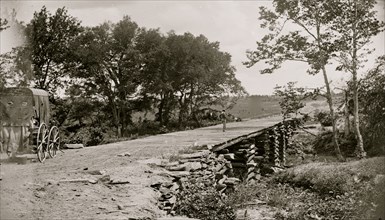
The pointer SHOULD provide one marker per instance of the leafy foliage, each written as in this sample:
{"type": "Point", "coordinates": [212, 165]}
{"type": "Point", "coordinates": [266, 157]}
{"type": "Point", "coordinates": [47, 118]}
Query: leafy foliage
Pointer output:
{"type": "Point", "coordinates": [372, 96]}
{"type": "Point", "coordinates": [88, 136]}
{"type": "Point", "coordinates": [312, 41]}
{"type": "Point", "coordinates": [324, 118]}
{"type": "Point", "coordinates": [355, 26]}
{"type": "Point", "coordinates": [292, 98]}
{"type": "Point", "coordinates": [199, 199]}
{"type": "Point", "coordinates": [108, 65]}
{"type": "Point", "coordinates": [177, 74]}
{"type": "Point", "coordinates": [48, 47]}
{"type": "Point", "coordinates": [114, 70]}
{"type": "Point", "coordinates": [190, 73]}
{"type": "Point", "coordinates": [323, 144]}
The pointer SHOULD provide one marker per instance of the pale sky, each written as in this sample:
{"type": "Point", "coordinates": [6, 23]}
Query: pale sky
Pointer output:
{"type": "Point", "coordinates": [234, 24]}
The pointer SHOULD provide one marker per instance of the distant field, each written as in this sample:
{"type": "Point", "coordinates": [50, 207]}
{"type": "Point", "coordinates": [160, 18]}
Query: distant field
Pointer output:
{"type": "Point", "coordinates": [313, 107]}
{"type": "Point", "coordinates": [256, 106]}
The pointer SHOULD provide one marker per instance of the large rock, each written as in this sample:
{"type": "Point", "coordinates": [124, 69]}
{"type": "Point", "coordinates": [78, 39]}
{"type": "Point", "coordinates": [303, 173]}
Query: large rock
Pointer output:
{"type": "Point", "coordinates": [379, 178]}
{"type": "Point", "coordinates": [179, 167]}
{"type": "Point", "coordinates": [192, 166]}
{"type": "Point", "coordinates": [179, 174]}
{"type": "Point", "coordinates": [195, 155]}
{"type": "Point", "coordinates": [73, 146]}
{"type": "Point", "coordinates": [96, 172]}
{"type": "Point", "coordinates": [232, 181]}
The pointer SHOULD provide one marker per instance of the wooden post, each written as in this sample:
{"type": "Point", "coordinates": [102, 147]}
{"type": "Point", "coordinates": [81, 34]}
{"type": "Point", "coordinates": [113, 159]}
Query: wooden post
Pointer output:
{"type": "Point", "coordinates": [274, 145]}
{"type": "Point", "coordinates": [251, 165]}
{"type": "Point", "coordinates": [266, 146]}
{"type": "Point", "coordinates": [282, 145]}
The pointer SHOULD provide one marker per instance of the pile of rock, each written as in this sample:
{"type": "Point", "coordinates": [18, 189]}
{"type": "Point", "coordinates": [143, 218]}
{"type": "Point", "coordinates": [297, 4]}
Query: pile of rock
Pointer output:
{"type": "Point", "coordinates": [203, 166]}
{"type": "Point", "coordinates": [167, 195]}
{"type": "Point", "coordinates": [244, 158]}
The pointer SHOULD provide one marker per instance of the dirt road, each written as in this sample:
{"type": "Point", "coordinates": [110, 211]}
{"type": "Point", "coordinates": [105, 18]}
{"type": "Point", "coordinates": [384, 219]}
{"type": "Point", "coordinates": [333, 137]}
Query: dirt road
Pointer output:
{"type": "Point", "coordinates": [79, 184]}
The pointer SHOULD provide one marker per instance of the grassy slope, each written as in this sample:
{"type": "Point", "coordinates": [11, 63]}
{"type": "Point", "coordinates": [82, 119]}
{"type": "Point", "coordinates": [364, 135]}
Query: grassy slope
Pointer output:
{"type": "Point", "coordinates": [256, 106]}
{"type": "Point", "coordinates": [349, 190]}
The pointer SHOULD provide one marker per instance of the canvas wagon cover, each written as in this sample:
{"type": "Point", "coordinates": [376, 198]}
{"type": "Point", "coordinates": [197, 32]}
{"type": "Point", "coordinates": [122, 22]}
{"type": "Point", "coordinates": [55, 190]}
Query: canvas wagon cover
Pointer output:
{"type": "Point", "coordinates": [19, 105]}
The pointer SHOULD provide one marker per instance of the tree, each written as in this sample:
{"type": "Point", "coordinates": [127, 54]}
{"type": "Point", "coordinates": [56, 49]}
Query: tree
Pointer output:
{"type": "Point", "coordinates": [201, 75]}
{"type": "Point", "coordinates": [155, 73]}
{"type": "Point", "coordinates": [292, 98]}
{"type": "Point", "coordinates": [186, 73]}
{"type": "Point", "coordinates": [356, 24]}
{"type": "Point", "coordinates": [108, 63]}
{"type": "Point", "coordinates": [312, 43]}
{"type": "Point", "coordinates": [372, 96]}
{"type": "Point", "coordinates": [48, 46]}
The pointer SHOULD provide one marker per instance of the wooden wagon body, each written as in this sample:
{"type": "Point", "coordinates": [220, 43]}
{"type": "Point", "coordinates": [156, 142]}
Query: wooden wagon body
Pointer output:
{"type": "Point", "coordinates": [22, 111]}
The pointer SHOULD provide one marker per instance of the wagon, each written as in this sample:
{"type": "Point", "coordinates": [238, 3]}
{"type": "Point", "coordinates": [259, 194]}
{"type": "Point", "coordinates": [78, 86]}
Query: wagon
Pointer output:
{"type": "Point", "coordinates": [24, 122]}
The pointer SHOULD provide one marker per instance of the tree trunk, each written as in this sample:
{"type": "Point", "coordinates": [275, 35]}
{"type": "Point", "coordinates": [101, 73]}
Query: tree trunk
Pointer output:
{"type": "Point", "coordinates": [329, 97]}
{"type": "Point", "coordinates": [115, 115]}
{"type": "Point", "coordinates": [346, 112]}
{"type": "Point", "coordinates": [195, 117]}
{"type": "Point", "coordinates": [182, 110]}
{"type": "Point", "coordinates": [360, 152]}
{"type": "Point", "coordinates": [160, 109]}
{"type": "Point", "coordinates": [330, 103]}
{"type": "Point", "coordinates": [360, 143]}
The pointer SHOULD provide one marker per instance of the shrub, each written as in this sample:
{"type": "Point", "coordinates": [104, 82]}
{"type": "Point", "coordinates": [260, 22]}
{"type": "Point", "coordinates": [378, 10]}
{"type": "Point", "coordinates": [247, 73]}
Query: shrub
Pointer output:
{"type": "Point", "coordinates": [323, 144]}
{"type": "Point", "coordinates": [199, 199]}
{"type": "Point", "coordinates": [324, 118]}
{"type": "Point", "coordinates": [88, 136]}
{"type": "Point", "coordinates": [243, 194]}
{"type": "Point", "coordinates": [371, 99]}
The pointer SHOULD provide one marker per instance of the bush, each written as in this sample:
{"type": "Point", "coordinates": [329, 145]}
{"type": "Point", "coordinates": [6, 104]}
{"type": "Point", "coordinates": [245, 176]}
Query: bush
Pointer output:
{"type": "Point", "coordinates": [243, 194]}
{"type": "Point", "coordinates": [323, 144]}
{"type": "Point", "coordinates": [201, 200]}
{"type": "Point", "coordinates": [371, 99]}
{"type": "Point", "coordinates": [88, 136]}
{"type": "Point", "coordinates": [324, 118]}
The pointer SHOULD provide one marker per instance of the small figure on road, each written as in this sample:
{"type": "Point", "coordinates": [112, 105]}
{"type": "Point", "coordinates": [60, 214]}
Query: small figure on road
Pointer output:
{"type": "Point", "coordinates": [222, 116]}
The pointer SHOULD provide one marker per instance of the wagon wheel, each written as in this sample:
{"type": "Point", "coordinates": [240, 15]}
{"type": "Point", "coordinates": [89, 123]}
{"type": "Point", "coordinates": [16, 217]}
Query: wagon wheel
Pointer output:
{"type": "Point", "coordinates": [53, 141]}
{"type": "Point", "coordinates": [41, 142]}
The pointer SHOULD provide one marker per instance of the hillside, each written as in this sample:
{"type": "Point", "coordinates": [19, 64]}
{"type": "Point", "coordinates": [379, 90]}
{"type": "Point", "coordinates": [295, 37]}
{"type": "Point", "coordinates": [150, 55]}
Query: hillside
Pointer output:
{"type": "Point", "coordinates": [256, 106]}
